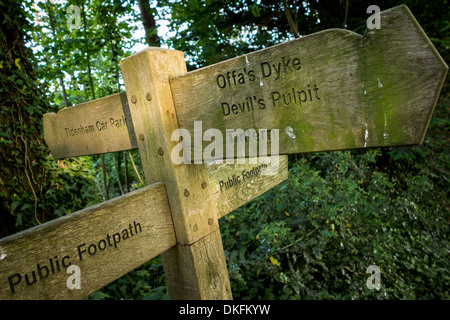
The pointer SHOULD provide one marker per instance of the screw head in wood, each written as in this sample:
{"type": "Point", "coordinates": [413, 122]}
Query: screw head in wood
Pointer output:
{"type": "Point", "coordinates": [133, 99]}
{"type": "Point", "coordinates": [160, 151]}
{"type": "Point", "coordinates": [148, 96]}
{"type": "Point", "coordinates": [210, 221]}
{"type": "Point", "coordinates": [204, 184]}
{"type": "Point", "coordinates": [186, 193]}
{"type": "Point", "coordinates": [141, 136]}
{"type": "Point", "coordinates": [195, 228]}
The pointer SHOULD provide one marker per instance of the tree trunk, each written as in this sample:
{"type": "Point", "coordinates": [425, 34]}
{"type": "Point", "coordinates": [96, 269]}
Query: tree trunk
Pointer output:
{"type": "Point", "coordinates": [21, 145]}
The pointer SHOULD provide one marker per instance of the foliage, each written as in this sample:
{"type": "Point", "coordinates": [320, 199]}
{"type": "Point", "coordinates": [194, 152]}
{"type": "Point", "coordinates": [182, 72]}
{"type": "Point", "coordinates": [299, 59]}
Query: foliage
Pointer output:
{"type": "Point", "coordinates": [314, 236]}
{"type": "Point", "coordinates": [144, 283]}
{"type": "Point", "coordinates": [209, 31]}
{"type": "Point", "coordinates": [69, 57]}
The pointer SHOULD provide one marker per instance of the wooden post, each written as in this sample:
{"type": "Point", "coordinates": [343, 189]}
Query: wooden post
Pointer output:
{"type": "Point", "coordinates": [94, 127]}
{"type": "Point", "coordinates": [196, 267]}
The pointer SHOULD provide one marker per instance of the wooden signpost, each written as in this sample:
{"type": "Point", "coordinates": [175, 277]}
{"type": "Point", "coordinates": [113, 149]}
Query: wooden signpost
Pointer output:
{"type": "Point", "coordinates": [327, 91]}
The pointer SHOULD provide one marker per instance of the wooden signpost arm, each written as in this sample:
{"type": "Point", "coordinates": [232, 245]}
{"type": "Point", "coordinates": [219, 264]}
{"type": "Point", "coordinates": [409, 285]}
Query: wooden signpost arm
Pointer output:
{"type": "Point", "coordinates": [105, 241]}
{"type": "Point", "coordinates": [331, 90]}
{"type": "Point", "coordinates": [196, 267]}
{"type": "Point", "coordinates": [94, 127]}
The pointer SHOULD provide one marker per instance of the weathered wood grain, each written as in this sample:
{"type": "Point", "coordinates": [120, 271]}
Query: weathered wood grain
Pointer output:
{"type": "Point", "coordinates": [330, 90]}
{"type": "Point", "coordinates": [99, 126]}
{"type": "Point", "coordinates": [39, 253]}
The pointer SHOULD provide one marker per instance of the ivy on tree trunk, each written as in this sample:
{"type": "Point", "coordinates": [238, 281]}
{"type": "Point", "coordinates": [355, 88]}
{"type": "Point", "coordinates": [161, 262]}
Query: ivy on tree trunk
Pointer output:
{"type": "Point", "coordinates": [22, 174]}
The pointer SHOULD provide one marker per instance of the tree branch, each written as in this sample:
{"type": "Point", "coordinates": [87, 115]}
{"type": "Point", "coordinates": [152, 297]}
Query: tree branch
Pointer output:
{"type": "Point", "coordinates": [291, 22]}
